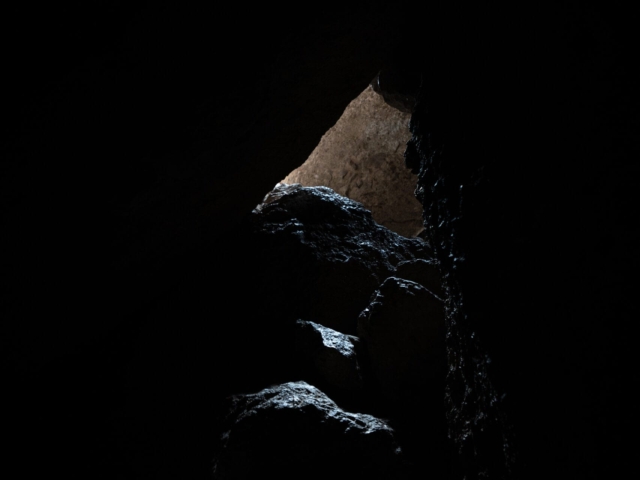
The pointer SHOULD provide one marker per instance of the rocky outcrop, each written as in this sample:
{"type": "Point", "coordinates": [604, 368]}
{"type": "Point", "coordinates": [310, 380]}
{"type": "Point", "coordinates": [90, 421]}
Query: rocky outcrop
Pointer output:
{"type": "Point", "coordinates": [424, 272]}
{"type": "Point", "coordinates": [321, 254]}
{"type": "Point", "coordinates": [403, 332]}
{"type": "Point", "coordinates": [295, 431]}
{"type": "Point", "coordinates": [330, 355]}
{"type": "Point", "coordinates": [361, 157]}
{"type": "Point", "coordinates": [367, 340]}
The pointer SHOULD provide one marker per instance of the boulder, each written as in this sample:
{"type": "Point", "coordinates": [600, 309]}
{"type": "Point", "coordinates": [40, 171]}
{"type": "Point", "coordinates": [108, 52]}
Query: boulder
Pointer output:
{"type": "Point", "coordinates": [294, 430]}
{"type": "Point", "coordinates": [319, 255]}
{"type": "Point", "coordinates": [424, 272]}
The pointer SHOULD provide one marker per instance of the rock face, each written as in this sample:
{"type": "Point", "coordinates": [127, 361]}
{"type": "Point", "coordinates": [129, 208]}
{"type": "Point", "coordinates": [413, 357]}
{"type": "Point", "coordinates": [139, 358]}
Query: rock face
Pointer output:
{"type": "Point", "coordinates": [323, 254]}
{"type": "Point", "coordinates": [424, 272]}
{"type": "Point", "coordinates": [361, 157]}
{"type": "Point", "coordinates": [295, 431]}
{"type": "Point", "coordinates": [403, 332]}
{"type": "Point", "coordinates": [331, 355]}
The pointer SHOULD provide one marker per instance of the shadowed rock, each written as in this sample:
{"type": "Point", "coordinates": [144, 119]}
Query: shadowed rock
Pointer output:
{"type": "Point", "coordinates": [424, 272]}
{"type": "Point", "coordinates": [397, 91]}
{"type": "Point", "coordinates": [330, 354]}
{"type": "Point", "coordinates": [403, 332]}
{"type": "Point", "coordinates": [295, 431]}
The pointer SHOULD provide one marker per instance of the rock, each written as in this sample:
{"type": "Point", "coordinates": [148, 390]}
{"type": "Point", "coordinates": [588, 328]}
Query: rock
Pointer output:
{"type": "Point", "coordinates": [395, 90]}
{"type": "Point", "coordinates": [362, 158]}
{"type": "Point", "coordinates": [294, 430]}
{"type": "Point", "coordinates": [321, 255]}
{"type": "Point", "coordinates": [424, 272]}
{"type": "Point", "coordinates": [331, 355]}
{"type": "Point", "coordinates": [403, 333]}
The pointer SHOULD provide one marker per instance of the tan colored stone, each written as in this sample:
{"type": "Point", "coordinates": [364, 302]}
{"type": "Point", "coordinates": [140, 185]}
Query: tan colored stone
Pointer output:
{"type": "Point", "coordinates": [361, 157]}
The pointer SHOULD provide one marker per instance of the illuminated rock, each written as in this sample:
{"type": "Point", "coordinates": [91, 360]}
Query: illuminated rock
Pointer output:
{"type": "Point", "coordinates": [295, 431]}
{"type": "Point", "coordinates": [331, 355]}
{"type": "Point", "coordinates": [322, 255]}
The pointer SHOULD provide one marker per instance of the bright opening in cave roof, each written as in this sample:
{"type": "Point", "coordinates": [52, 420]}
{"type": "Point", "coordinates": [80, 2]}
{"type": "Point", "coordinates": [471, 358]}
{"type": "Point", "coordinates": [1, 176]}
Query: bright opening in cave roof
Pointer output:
{"type": "Point", "coordinates": [362, 157]}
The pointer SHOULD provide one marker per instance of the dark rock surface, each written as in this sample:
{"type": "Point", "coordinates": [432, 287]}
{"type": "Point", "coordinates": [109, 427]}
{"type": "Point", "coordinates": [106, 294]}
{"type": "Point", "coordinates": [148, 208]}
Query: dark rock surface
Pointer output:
{"type": "Point", "coordinates": [323, 253]}
{"type": "Point", "coordinates": [396, 89]}
{"type": "Point", "coordinates": [518, 195]}
{"type": "Point", "coordinates": [403, 333]}
{"type": "Point", "coordinates": [422, 271]}
{"type": "Point", "coordinates": [297, 431]}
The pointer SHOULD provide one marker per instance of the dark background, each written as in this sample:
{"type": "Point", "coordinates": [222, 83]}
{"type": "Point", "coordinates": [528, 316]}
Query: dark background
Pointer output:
{"type": "Point", "coordinates": [137, 136]}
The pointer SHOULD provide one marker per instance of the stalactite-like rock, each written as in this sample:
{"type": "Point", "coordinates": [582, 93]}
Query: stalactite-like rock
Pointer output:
{"type": "Point", "coordinates": [396, 94]}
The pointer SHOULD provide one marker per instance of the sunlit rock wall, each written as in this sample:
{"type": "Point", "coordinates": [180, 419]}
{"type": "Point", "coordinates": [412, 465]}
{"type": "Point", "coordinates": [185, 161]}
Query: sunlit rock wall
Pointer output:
{"type": "Point", "coordinates": [361, 157]}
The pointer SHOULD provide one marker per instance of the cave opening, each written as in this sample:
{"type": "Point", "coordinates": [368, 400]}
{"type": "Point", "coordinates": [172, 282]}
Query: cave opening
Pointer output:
{"type": "Point", "coordinates": [362, 158]}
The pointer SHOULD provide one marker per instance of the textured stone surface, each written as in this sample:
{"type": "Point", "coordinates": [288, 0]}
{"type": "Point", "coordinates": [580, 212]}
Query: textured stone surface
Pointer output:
{"type": "Point", "coordinates": [331, 354]}
{"type": "Point", "coordinates": [323, 254]}
{"type": "Point", "coordinates": [361, 157]}
{"type": "Point", "coordinates": [424, 272]}
{"type": "Point", "coordinates": [403, 332]}
{"type": "Point", "coordinates": [293, 430]}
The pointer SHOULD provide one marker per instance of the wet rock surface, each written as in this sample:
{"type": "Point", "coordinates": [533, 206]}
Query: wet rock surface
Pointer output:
{"type": "Point", "coordinates": [325, 253]}
{"type": "Point", "coordinates": [294, 429]}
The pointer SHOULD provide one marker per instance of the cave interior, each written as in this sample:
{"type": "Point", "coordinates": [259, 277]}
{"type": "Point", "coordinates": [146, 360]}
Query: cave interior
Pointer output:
{"type": "Point", "coordinates": [141, 136]}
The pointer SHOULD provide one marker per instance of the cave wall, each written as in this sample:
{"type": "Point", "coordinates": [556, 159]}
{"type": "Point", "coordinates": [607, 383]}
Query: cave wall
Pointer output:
{"type": "Point", "coordinates": [140, 135]}
{"type": "Point", "coordinates": [518, 196]}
